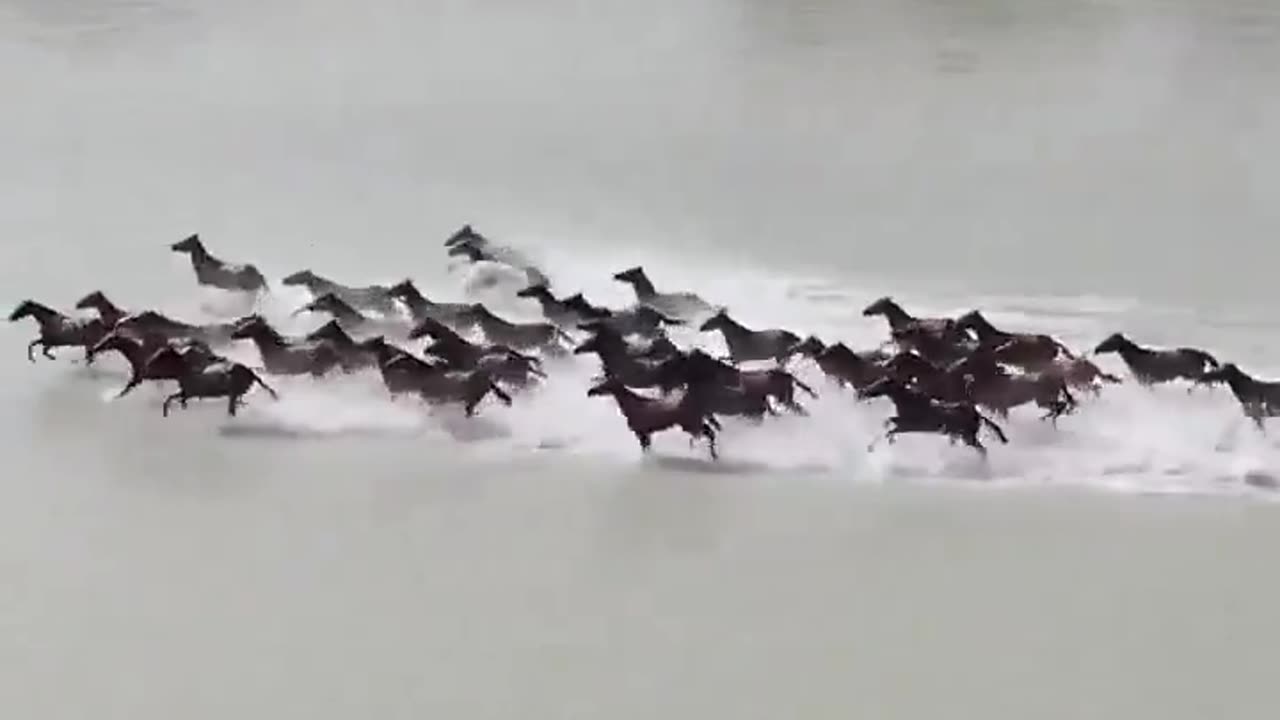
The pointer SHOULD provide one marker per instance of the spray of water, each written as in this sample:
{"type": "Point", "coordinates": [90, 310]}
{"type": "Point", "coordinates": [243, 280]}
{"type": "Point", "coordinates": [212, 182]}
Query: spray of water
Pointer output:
{"type": "Point", "coordinates": [1129, 440]}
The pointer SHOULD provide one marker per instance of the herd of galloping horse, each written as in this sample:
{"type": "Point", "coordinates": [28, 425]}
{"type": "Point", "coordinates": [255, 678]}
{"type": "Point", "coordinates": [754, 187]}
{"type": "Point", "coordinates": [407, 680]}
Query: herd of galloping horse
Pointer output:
{"type": "Point", "coordinates": [943, 375]}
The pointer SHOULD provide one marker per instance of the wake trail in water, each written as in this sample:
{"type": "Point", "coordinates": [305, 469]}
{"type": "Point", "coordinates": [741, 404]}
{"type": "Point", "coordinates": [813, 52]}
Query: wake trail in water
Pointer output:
{"type": "Point", "coordinates": [1129, 439]}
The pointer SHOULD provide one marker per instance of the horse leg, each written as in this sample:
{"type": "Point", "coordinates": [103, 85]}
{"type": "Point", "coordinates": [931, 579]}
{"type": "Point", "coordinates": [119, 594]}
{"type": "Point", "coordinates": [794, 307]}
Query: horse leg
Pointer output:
{"type": "Point", "coordinates": [164, 409]}
{"type": "Point", "coordinates": [232, 401]}
{"type": "Point", "coordinates": [31, 348]}
{"type": "Point", "coordinates": [645, 441]}
{"type": "Point", "coordinates": [971, 439]}
{"type": "Point", "coordinates": [134, 382]}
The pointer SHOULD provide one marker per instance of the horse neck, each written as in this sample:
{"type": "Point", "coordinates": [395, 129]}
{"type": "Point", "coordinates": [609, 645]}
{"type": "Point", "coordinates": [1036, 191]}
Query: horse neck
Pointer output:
{"type": "Point", "coordinates": [46, 315]}
{"type": "Point", "coordinates": [986, 330]}
{"type": "Point", "coordinates": [896, 316]}
{"type": "Point", "coordinates": [413, 298]}
{"type": "Point", "coordinates": [643, 286]}
{"type": "Point", "coordinates": [732, 328]}
{"type": "Point", "coordinates": [628, 401]}
{"type": "Point", "coordinates": [268, 340]}
{"type": "Point", "coordinates": [109, 311]}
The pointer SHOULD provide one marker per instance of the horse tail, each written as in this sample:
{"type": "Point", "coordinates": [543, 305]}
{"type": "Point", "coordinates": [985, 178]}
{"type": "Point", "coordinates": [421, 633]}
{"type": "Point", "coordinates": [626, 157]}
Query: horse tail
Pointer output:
{"type": "Point", "coordinates": [994, 427]}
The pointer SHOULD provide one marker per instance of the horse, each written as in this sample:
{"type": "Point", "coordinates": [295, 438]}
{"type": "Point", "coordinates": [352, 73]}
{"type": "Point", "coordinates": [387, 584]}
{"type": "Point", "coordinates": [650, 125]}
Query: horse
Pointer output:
{"type": "Point", "coordinates": [1078, 372]}
{"type": "Point", "coordinates": [584, 307]}
{"type": "Point", "coordinates": [999, 391]}
{"type": "Point", "coordinates": [618, 362]}
{"type": "Point", "coordinates": [1151, 367]}
{"type": "Point", "coordinates": [656, 348]}
{"type": "Point", "coordinates": [1259, 399]}
{"type": "Point", "coordinates": [641, 320]}
{"type": "Point", "coordinates": [900, 320]}
{"type": "Point", "coordinates": [375, 298]}
{"type": "Point", "coordinates": [553, 308]}
{"type": "Point", "coordinates": [841, 364]}
{"type": "Point", "coordinates": [646, 416]}
{"type": "Point", "coordinates": [58, 330]}
{"type": "Point", "coordinates": [108, 312]}
{"type": "Point", "coordinates": [150, 322]}
{"type": "Point", "coordinates": [1030, 351]}
{"type": "Point", "coordinates": [420, 308]}
{"type": "Point", "coordinates": [199, 380]}
{"type": "Point", "coordinates": [765, 384]}
{"type": "Point", "coordinates": [437, 385]}
{"type": "Point", "coordinates": [506, 365]}
{"type": "Point", "coordinates": [927, 378]}
{"type": "Point", "coordinates": [398, 378]}
{"type": "Point", "coordinates": [464, 234]}
{"type": "Point", "coordinates": [284, 357]}
{"type": "Point", "coordinates": [476, 251]}
{"type": "Point", "coordinates": [918, 413]}
{"type": "Point", "coordinates": [745, 344]}
{"type": "Point", "coordinates": [352, 355]}
{"type": "Point", "coordinates": [682, 305]}
{"type": "Point", "coordinates": [137, 351]}
{"type": "Point", "coordinates": [217, 273]}
{"type": "Point", "coordinates": [348, 317]}
{"type": "Point", "coordinates": [521, 336]}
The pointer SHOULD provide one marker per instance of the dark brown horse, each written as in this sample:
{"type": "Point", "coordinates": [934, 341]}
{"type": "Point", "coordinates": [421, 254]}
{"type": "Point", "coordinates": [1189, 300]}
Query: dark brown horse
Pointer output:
{"type": "Point", "coordinates": [150, 322]}
{"type": "Point", "coordinates": [618, 362]}
{"type": "Point", "coordinates": [108, 312]}
{"type": "Point", "coordinates": [1079, 373]}
{"type": "Point", "coordinates": [1030, 351]}
{"type": "Point", "coordinates": [464, 234]}
{"type": "Point", "coordinates": [1259, 399]}
{"type": "Point", "coordinates": [400, 378]}
{"type": "Point", "coordinates": [507, 365]}
{"type": "Point", "coordinates": [991, 387]}
{"type": "Point", "coordinates": [745, 344]}
{"type": "Point", "coordinates": [927, 378]}
{"type": "Point", "coordinates": [900, 320]}
{"type": "Point", "coordinates": [846, 367]}
{"type": "Point", "coordinates": [918, 413]}
{"type": "Point", "coordinates": [1153, 367]}
{"type": "Point", "coordinates": [420, 308]}
{"type": "Point", "coordinates": [217, 273]}
{"type": "Point", "coordinates": [757, 387]}
{"type": "Point", "coordinates": [281, 356]}
{"type": "Point", "coordinates": [58, 330]}
{"type": "Point", "coordinates": [138, 351]}
{"type": "Point", "coordinates": [375, 298]}
{"type": "Point", "coordinates": [681, 305]}
{"type": "Point", "coordinates": [481, 251]}
{"type": "Point", "coordinates": [438, 385]}
{"type": "Point", "coordinates": [646, 416]}
{"type": "Point", "coordinates": [198, 380]}
{"type": "Point", "coordinates": [553, 308]}
{"type": "Point", "coordinates": [540, 336]}
{"type": "Point", "coordinates": [352, 355]}
{"type": "Point", "coordinates": [584, 307]}
{"type": "Point", "coordinates": [656, 348]}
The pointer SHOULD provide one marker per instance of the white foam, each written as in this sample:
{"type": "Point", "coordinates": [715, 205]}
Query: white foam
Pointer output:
{"type": "Point", "coordinates": [1129, 440]}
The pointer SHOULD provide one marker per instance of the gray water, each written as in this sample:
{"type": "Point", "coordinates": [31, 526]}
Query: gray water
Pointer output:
{"type": "Point", "coordinates": [1074, 167]}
